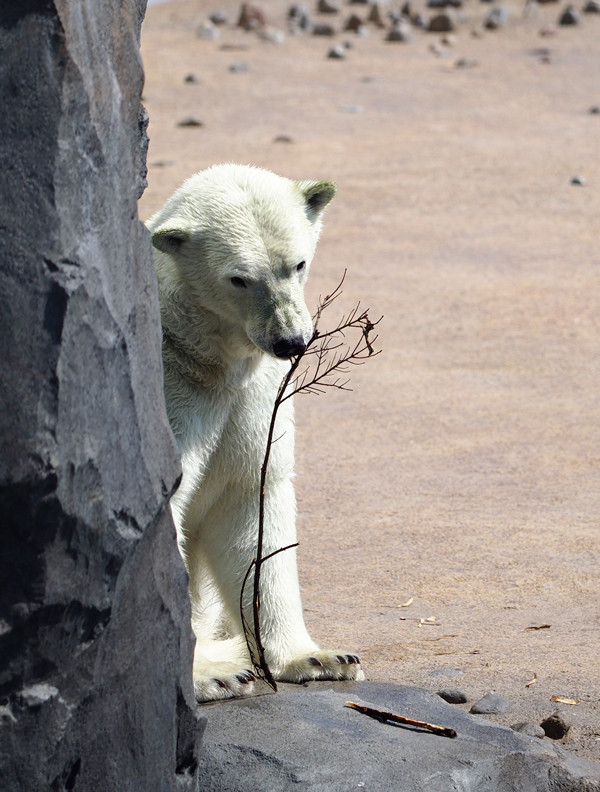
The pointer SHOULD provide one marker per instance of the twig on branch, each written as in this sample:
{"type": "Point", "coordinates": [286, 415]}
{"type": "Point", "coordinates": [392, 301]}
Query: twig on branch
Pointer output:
{"type": "Point", "coordinates": [328, 355]}
{"type": "Point", "coordinates": [260, 664]}
{"type": "Point", "coordinates": [390, 717]}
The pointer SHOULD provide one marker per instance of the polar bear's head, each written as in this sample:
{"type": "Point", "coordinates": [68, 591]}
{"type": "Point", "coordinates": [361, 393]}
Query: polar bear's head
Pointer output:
{"type": "Point", "coordinates": [239, 241]}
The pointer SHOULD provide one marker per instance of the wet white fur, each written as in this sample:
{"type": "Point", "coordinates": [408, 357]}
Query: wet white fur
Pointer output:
{"type": "Point", "coordinates": [221, 379]}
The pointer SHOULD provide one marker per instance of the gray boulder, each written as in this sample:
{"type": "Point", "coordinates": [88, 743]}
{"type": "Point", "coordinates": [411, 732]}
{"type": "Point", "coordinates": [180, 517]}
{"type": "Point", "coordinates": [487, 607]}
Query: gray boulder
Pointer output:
{"type": "Point", "coordinates": [95, 641]}
{"type": "Point", "coordinates": [305, 739]}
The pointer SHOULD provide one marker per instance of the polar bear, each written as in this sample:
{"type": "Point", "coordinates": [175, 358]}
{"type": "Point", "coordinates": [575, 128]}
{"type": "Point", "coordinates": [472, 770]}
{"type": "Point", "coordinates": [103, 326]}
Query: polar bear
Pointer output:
{"type": "Point", "coordinates": [233, 248]}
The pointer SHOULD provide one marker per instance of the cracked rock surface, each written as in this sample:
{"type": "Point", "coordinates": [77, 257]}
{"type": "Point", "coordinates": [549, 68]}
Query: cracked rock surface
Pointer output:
{"type": "Point", "coordinates": [332, 748]}
{"type": "Point", "coordinates": [95, 686]}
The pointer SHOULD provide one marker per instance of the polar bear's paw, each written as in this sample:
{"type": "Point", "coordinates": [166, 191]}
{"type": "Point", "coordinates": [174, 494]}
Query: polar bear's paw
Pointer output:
{"type": "Point", "coordinates": [222, 681]}
{"type": "Point", "coordinates": [321, 664]}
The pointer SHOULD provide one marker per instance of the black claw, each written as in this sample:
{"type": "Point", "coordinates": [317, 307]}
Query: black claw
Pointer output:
{"type": "Point", "coordinates": [314, 661]}
{"type": "Point", "coordinates": [341, 659]}
{"type": "Point", "coordinates": [354, 659]}
{"type": "Point", "coordinates": [220, 682]}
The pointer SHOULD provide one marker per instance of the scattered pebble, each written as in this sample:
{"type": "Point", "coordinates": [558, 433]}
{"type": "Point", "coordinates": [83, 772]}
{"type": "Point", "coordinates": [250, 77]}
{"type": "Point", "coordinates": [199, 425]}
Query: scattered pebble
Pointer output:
{"type": "Point", "coordinates": [497, 18]}
{"type": "Point", "coordinates": [376, 16]}
{"type": "Point", "coordinates": [401, 31]}
{"type": "Point", "coordinates": [272, 35]}
{"type": "Point", "coordinates": [569, 17]}
{"type": "Point", "coordinates": [219, 18]}
{"type": "Point", "coordinates": [190, 121]}
{"type": "Point", "coordinates": [234, 47]}
{"type": "Point", "coordinates": [490, 704]}
{"type": "Point", "coordinates": [592, 7]}
{"type": "Point", "coordinates": [207, 32]}
{"type": "Point", "coordinates": [298, 18]}
{"type": "Point", "coordinates": [529, 729]}
{"type": "Point", "coordinates": [337, 53]}
{"type": "Point", "coordinates": [283, 139]}
{"type": "Point", "coordinates": [438, 50]}
{"type": "Point", "coordinates": [251, 17]}
{"type": "Point", "coordinates": [420, 21]}
{"type": "Point", "coordinates": [444, 3]}
{"type": "Point", "coordinates": [320, 29]}
{"type": "Point", "coordinates": [595, 110]}
{"type": "Point", "coordinates": [466, 63]}
{"type": "Point", "coordinates": [446, 672]}
{"type": "Point", "coordinates": [327, 7]}
{"type": "Point", "coordinates": [453, 695]}
{"type": "Point", "coordinates": [162, 163]}
{"type": "Point", "coordinates": [353, 23]}
{"type": "Point", "coordinates": [239, 68]}
{"type": "Point", "coordinates": [442, 23]}
{"type": "Point", "coordinates": [352, 109]}
{"type": "Point", "coordinates": [191, 79]}
{"type": "Point", "coordinates": [578, 180]}
{"type": "Point", "coordinates": [555, 727]}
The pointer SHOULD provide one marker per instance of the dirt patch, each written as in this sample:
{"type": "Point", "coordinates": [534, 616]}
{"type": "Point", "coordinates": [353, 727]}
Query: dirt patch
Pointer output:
{"type": "Point", "coordinates": [463, 472]}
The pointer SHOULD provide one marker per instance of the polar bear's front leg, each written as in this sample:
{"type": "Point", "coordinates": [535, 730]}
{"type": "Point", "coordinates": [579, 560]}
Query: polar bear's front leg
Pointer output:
{"type": "Point", "coordinates": [229, 541]}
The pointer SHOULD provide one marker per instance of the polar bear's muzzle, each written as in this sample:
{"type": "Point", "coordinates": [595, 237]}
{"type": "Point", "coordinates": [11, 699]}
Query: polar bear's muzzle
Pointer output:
{"type": "Point", "coordinates": [289, 347]}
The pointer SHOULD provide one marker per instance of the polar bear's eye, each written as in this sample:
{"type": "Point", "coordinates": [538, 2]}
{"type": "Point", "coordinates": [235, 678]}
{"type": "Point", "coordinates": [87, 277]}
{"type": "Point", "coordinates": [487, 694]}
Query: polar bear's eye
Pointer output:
{"type": "Point", "coordinates": [300, 267]}
{"type": "Point", "coordinates": [239, 283]}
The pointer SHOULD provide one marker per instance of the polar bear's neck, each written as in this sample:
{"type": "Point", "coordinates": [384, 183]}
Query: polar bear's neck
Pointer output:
{"type": "Point", "coordinates": [200, 348]}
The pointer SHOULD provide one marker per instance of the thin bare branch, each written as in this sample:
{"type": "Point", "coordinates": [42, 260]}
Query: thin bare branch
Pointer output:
{"type": "Point", "coordinates": [327, 355]}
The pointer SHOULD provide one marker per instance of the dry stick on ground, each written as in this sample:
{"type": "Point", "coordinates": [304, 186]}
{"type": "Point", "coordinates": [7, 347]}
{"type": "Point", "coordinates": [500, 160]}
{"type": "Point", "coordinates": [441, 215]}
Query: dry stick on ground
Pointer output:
{"type": "Point", "coordinates": [329, 356]}
{"type": "Point", "coordinates": [390, 717]}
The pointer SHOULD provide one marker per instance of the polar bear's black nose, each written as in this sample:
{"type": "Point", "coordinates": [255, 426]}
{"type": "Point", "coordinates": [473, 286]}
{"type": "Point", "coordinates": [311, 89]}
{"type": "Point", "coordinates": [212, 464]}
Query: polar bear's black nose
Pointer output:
{"type": "Point", "coordinates": [289, 347]}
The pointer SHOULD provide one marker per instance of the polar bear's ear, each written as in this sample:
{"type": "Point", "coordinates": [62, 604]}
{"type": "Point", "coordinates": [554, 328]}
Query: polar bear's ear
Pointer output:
{"type": "Point", "coordinates": [317, 195]}
{"type": "Point", "coordinates": [169, 240]}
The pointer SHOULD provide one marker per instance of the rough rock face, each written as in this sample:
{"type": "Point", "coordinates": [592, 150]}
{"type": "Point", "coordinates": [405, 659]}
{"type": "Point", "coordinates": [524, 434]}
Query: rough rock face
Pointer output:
{"type": "Point", "coordinates": [95, 643]}
{"type": "Point", "coordinates": [331, 748]}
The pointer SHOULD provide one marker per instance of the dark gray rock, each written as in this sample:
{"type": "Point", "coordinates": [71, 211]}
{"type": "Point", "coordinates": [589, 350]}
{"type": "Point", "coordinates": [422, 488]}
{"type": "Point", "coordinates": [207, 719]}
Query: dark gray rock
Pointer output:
{"type": "Point", "coordinates": [376, 15]}
{"type": "Point", "coordinates": [95, 643]}
{"type": "Point", "coordinates": [592, 7]}
{"type": "Point", "coordinates": [219, 18]}
{"type": "Point", "coordinates": [453, 695]}
{"type": "Point", "coordinates": [570, 16]}
{"type": "Point", "coordinates": [252, 17]}
{"type": "Point", "coordinates": [491, 704]}
{"type": "Point", "coordinates": [556, 726]}
{"type": "Point", "coordinates": [327, 7]}
{"type": "Point", "coordinates": [305, 739]}
{"type": "Point", "coordinates": [530, 729]}
{"type": "Point", "coordinates": [241, 67]}
{"type": "Point", "coordinates": [444, 3]}
{"type": "Point", "coordinates": [190, 121]}
{"type": "Point", "coordinates": [322, 29]}
{"type": "Point", "coordinates": [354, 23]}
{"type": "Point", "coordinates": [442, 23]}
{"type": "Point", "coordinates": [298, 18]}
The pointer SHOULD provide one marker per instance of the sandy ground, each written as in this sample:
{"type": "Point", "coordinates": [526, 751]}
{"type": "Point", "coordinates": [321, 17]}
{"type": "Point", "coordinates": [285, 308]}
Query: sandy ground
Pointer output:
{"type": "Point", "coordinates": [462, 473]}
